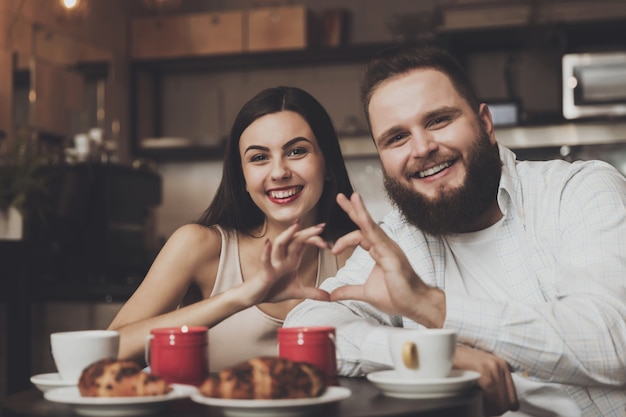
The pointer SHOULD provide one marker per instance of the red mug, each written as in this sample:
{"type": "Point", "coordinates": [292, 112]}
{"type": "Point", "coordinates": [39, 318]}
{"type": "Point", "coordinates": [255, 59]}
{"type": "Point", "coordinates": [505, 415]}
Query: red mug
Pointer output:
{"type": "Point", "coordinates": [315, 345]}
{"type": "Point", "coordinates": [180, 355]}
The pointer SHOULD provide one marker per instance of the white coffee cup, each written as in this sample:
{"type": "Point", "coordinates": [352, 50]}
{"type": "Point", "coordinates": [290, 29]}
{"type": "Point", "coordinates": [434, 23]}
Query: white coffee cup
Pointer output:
{"type": "Point", "coordinates": [74, 351]}
{"type": "Point", "coordinates": [422, 353]}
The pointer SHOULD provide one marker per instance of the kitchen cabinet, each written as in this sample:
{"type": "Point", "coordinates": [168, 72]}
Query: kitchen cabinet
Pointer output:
{"type": "Point", "coordinates": [178, 35]}
{"type": "Point", "coordinates": [559, 28]}
{"type": "Point", "coordinates": [99, 229]}
{"type": "Point", "coordinates": [279, 28]}
{"type": "Point", "coordinates": [481, 14]}
{"type": "Point", "coordinates": [69, 100]}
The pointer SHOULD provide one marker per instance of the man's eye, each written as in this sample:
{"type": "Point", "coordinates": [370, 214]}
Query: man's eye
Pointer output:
{"type": "Point", "coordinates": [395, 139]}
{"type": "Point", "coordinates": [439, 121]}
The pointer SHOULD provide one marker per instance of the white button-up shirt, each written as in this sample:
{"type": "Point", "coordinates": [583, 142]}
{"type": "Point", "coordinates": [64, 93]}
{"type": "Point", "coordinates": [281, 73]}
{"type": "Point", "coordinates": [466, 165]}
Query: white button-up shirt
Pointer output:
{"type": "Point", "coordinates": [563, 248]}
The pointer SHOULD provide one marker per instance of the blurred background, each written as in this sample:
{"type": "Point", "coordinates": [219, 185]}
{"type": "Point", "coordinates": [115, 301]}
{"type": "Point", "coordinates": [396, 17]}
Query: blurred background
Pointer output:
{"type": "Point", "coordinates": [114, 115]}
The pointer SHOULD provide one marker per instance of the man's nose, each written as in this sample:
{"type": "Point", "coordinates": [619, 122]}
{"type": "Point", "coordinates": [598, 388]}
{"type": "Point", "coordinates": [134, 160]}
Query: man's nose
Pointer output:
{"type": "Point", "coordinates": [422, 144]}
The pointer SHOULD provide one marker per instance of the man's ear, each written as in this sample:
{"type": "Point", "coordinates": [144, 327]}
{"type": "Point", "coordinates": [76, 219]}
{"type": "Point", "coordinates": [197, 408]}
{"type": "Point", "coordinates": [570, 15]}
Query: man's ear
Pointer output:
{"type": "Point", "coordinates": [484, 115]}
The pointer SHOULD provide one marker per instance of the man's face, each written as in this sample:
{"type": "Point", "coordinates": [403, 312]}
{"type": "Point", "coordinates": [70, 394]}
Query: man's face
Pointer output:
{"type": "Point", "coordinates": [441, 163]}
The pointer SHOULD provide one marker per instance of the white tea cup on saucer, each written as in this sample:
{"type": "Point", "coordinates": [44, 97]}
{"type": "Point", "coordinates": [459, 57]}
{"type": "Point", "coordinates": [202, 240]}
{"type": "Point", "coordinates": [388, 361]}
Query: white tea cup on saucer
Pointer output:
{"type": "Point", "coordinates": [422, 353]}
{"type": "Point", "coordinates": [73, 351]}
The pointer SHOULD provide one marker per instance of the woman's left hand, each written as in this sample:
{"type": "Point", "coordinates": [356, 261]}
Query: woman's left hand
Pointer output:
{"type": "Point", "coordinates": [280, 259]}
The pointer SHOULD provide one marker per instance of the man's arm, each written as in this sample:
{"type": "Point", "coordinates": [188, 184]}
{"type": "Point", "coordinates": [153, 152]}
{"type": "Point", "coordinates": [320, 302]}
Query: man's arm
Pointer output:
{"type": "Point", "coordinates": [361, 337]}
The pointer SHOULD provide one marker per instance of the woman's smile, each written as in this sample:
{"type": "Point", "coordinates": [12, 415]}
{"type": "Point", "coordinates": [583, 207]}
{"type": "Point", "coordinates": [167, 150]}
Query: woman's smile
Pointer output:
{"type": "Point", "coordinates": [284, 195]}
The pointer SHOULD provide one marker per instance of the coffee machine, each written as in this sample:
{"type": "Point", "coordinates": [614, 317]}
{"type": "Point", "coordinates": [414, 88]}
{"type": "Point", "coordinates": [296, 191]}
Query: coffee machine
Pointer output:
{"type": "Point", "coordinates": [98, 226]}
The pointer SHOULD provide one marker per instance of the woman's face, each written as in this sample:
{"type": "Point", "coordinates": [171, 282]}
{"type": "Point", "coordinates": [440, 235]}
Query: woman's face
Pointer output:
{"type": "Point", "coordinates": [283, 167]}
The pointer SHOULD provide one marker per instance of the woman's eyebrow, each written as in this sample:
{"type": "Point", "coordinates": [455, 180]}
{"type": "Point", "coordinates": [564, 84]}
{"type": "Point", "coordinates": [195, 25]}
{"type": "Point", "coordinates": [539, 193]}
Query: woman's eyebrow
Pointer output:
{"type": "Point", "coordinates": [256, 147]}
{"type": "Point", "coordinates": [285, 146]}
{"type": "Point", "coordinates": [295, 140]}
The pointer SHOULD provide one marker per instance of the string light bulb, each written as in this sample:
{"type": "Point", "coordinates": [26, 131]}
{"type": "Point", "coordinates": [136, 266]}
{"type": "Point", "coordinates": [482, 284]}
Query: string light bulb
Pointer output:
{"type": "Point", "coordinates": [70, 4]}
{"type": "Point", "coordinates": [71, 9]}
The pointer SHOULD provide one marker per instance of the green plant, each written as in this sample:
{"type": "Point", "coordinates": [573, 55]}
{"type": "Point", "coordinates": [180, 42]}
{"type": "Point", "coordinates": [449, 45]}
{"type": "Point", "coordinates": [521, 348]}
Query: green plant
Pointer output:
{"type": "Point", "coordinates": [23, 179]}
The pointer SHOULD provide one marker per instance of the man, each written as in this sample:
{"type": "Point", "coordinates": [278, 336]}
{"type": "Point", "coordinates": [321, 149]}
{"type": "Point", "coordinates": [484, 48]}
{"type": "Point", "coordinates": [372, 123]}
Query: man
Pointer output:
{"type": "Point", "coordinates": [526, 261]}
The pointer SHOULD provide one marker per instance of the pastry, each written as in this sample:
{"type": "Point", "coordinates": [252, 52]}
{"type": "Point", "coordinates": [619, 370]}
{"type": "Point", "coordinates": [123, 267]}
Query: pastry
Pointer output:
{"type": "Point", "coordinates": [266, 378]}
{"type": "Point", "coordinates": [119, 378]}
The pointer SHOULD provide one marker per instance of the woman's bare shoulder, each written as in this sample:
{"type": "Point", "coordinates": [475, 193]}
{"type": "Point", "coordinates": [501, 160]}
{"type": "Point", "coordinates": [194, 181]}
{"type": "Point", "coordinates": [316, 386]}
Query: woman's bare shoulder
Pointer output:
{"type": "Point", "coordinates": [198, 239]}
{"type": "Point", "coordinates": [197, 231]}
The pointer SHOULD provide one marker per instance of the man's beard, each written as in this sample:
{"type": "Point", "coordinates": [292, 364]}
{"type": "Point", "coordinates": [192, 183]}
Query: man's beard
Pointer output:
{"type": "Point", "coordinates": [456, 210]}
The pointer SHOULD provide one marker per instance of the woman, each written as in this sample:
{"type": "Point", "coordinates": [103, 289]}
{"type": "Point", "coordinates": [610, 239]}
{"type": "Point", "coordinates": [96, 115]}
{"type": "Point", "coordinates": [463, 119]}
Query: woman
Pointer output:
{"type": "Point", "coordinates": [260, 247]}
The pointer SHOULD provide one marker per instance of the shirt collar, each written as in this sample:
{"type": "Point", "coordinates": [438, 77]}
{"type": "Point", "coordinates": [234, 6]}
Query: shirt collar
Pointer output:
{"type": "Point", "coordinates": [509, 199]}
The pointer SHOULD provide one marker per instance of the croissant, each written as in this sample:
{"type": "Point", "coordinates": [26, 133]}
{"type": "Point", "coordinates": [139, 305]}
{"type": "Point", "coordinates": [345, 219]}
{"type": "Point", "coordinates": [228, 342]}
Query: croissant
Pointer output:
{"type": "Point", "coordinates": [119, 378]}
{"type": "Point", "coordinates": [266, 378]}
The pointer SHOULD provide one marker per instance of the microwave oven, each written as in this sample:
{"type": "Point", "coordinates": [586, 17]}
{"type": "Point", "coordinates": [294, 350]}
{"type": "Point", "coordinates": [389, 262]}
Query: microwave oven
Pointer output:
{"type": "Point", "coordinates": [594, 84]}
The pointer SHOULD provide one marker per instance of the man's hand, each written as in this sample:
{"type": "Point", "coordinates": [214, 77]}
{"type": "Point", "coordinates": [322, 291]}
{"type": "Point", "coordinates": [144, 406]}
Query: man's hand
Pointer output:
{"type": "Point", "coordinates": [393, 286]}
{"type": "Point", "coordinates": [495, 379]}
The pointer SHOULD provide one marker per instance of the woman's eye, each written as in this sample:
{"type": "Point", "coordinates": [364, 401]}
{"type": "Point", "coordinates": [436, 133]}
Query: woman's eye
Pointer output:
{"type": "Point", "coordinates": [257, 158]}
{"type": "Point", "coordinates": [297, 152]}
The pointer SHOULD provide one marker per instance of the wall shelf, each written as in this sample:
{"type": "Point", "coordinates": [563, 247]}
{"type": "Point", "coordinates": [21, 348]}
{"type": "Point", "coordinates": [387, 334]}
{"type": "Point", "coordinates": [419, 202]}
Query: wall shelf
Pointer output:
{"type": "Point", "coordinates": [558, 37]}
{"type": "Point", "coordinates": [255, 60]}
{"type": "Point", "coordinates": [579, 35]}
{"type": "Point", "coordinates": [182, 153]}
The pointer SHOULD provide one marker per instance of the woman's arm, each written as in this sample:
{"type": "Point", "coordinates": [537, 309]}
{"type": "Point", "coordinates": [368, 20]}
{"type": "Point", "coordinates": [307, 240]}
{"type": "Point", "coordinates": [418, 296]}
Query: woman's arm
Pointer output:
{"type": "Point", "coordinates": [192, 255]}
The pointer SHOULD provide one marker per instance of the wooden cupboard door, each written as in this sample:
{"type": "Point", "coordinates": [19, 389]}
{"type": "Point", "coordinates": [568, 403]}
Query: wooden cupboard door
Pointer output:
{"type": "Point", "coordinates": [160, 37]}
{"type": "Point", "coordinates": [276, 28]}
{"type": "Point", "coordinates": [216, 33]}
{"type": "Point", "coordinates": [56, 92]}
{"type": "Point", "coordinates": [6, 91]}
{"type": "Point", "coordinates": [187, 35]}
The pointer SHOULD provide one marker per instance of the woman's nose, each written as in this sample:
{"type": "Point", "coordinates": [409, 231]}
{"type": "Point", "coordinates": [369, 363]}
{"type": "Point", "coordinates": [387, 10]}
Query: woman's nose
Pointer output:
{"type": "Point", "coordinates": [280, 170]}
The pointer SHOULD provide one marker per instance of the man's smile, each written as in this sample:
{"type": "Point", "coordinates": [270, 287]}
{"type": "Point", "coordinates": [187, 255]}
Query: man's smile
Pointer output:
{"type": "Point", "coordinates": [433, 170]}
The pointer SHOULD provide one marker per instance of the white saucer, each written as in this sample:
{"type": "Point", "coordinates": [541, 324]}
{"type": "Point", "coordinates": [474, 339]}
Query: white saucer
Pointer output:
{"type": "Point", "coordinates": [45, 382]}
{"type": "Point", "coordinates": [116, 406]}
{"type": "Point", "coordinates": [274, 408]}
{"type": "Point", "coordinates": [394, 385]}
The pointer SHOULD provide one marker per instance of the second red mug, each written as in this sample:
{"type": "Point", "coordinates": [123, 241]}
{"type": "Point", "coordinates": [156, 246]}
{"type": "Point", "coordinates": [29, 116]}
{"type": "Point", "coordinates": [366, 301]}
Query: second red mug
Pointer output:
{"type": "Point", "coordinates": [315, 345]}
{"type": "Point", "coordinates": [180, 355]}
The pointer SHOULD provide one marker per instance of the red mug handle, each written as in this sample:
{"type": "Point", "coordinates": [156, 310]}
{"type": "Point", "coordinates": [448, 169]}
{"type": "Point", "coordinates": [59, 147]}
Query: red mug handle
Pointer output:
{"type": "Point", "coordinates": [333, 339]}
{"type": "Point", "coordinates": [147, 349]}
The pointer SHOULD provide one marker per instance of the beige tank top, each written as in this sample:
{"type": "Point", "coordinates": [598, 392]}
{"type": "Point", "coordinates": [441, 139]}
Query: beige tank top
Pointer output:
{"type": "Point", "coordinates": [250, 332]}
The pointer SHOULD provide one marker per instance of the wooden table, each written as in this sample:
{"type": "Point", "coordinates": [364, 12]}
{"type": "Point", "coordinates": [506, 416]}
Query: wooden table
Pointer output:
{"type": "Point", "coordinates": [366, 401]}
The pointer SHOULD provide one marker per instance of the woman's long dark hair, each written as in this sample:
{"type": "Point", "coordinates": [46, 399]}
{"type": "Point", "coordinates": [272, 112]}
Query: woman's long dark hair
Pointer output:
{"type": "Point", "coordinates": [232, 208]}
